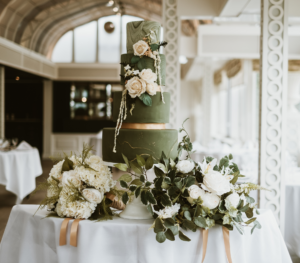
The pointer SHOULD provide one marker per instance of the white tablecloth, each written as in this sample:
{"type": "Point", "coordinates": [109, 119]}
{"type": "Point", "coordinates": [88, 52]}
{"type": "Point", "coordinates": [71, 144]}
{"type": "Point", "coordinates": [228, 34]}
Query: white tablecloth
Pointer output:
{"type": "Point", "coordinates": [97, 144]}
{"type": "Point", "coordinates": [18, 170]}
{"type": "Point", "coordinates": [30, 239]}
{"type": "Point", "coordinates": [292, 219]}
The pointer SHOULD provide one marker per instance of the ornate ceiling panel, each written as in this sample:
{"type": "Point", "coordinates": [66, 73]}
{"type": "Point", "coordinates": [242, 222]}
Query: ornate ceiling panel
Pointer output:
{"type": "Point", "coordinates": [38, 24]}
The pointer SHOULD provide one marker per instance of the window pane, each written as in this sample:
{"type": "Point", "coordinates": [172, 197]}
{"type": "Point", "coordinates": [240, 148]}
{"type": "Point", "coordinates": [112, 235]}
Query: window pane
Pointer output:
{"type": "Point", "coordinates": [126, 19]}
{"type": "Point", "coordinates": [85, 42]}
{"type": "Point", "coordinates": [109, 43]}
{"type": "Point", "coordinates": [62, 51]}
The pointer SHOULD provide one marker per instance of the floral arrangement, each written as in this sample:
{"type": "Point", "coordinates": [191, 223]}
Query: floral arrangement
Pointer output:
{"type": "Point", "coordinates": [77, 187]}
{"type": "Point", "coordinates": [189, 195]}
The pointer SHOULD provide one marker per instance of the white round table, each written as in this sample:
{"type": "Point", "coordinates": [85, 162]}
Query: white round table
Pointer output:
{"type": "Point", "coordinates": [35, 239]}
{"type": "Point", "coordinates": [18, 170]}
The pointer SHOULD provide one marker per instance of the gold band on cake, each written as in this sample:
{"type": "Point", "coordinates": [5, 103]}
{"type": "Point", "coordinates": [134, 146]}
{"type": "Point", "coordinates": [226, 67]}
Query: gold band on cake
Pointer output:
{"type": "Point", "coordinates": [144, 126]}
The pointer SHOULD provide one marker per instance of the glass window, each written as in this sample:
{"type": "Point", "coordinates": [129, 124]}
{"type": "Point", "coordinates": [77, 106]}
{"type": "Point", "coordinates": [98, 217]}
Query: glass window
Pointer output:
{"type": "Point", "coordinates": [85, 42]}
{"type": "Point", "coordinates": [62, 51]}
{"type": "Point", "coordinates": [126, 19]}
{"type": "Point", "coordinates": [109, 43]}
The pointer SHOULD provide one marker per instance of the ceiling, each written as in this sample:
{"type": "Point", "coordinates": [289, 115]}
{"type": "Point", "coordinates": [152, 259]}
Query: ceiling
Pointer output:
{"type": "Point", "coordinates": [38, 24]}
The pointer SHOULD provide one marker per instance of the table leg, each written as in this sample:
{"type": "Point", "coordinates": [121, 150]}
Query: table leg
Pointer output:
{"type": "Point", "coordinates": [18, 200]}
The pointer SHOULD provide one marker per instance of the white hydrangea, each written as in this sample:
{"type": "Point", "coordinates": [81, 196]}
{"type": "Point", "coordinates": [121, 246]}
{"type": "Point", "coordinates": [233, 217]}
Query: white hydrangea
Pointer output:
{"type": "Point", "coordinates": [56, 172]}
{"type": "Point", "coordinates": [77, 209]}
{"type": "Point", "coordinates": [168, 211]}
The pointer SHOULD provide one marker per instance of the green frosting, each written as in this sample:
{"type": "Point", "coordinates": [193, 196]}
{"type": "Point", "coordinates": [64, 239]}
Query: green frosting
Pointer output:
{"type": "Point", "coordinates": [157, 113]}
{"type": "Point", "coordinates": [132, 142]}
{"type": "Point", "coordinates": [139, 29]}
{"type": "Point", "coordinates": [147, 63]}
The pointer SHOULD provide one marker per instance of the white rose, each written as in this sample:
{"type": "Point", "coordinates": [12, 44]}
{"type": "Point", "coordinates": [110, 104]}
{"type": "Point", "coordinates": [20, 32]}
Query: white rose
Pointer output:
{"type": "Point", "coordinates": [185, 166]}
{"type": "Point", "coordinates": [92, 195]}
{"type": "Point", "coordinates": [216, 183]}
{"type": "Point", "coordinates": [136, 87]}
{"type": "Point", "coordinates": [94, 159]}
{"type": "Point", "coordinates": [211, 200]}
{"type": "Point", "coordinates": [71, 177]}
{"type": "Point", "coordinates": [234, 199]}
{"type": "Point", "coordinates": [151, 88]}
{"type": "Point", "coordinates": [195, 192]}
{"type": "Point", "coordinates": [148, 75]}
{"type": "Point", "coordinates": [140, 48]}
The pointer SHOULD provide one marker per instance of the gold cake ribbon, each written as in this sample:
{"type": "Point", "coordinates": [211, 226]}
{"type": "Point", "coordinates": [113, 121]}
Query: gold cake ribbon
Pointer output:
{"type": "Point", "coordinates": [74, 232]}
{"type": "Point", "coordinates": [226, 243]}
{"type": "Point", "coordinates": [115, 203]}
{"type": "Point", "coordinates": [63, 232]}
{"type": "Point", "coordinates": [144, 126]}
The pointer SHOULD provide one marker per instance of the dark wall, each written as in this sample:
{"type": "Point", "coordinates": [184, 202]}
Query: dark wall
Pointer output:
{"type": "Point", "coordinates": [24, 107]}
{"type": "Point", "coordinates": [62, 122]}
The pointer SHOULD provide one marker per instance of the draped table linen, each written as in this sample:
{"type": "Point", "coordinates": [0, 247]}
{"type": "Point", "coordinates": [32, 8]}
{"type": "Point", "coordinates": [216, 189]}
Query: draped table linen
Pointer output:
{"type": "Point", "coordinates": [29, 238]}
{"type": "Point", "coordinates": [18, 170]}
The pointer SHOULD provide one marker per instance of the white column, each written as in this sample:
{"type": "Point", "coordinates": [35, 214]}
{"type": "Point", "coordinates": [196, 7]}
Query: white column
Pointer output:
{"type": "Point", "coordinates": [273, 89]}
{"type": "Point", "coordinates": [47, 129]}
{"type": "Point", "coordinates": [171, 25]}
{"type": "Point", "coordinates": [206, 97]}
{"type": "Point", "coordinates": [2, 101]}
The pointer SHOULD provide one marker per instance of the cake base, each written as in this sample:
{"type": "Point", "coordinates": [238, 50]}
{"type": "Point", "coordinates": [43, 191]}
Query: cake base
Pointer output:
{"type": "Point", "coordinates": [136, 210]}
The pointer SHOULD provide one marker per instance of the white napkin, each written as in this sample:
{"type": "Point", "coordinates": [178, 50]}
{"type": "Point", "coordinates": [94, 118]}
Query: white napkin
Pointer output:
{"type": "Point", "coordinates": [5, 144]}
{"type": "Point", "coordinates": [24, 146]}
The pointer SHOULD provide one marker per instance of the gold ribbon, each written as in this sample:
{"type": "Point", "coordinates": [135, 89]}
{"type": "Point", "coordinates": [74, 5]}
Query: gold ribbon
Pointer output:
{"type": "Point", "coordinates": [63, 232]}
{"type": "Point", "coordinates": [74, 232]}
{"type": "Point", "coordinates": [115, 203]}
{"type": "Point", "coordinates": [144, 126]}
{"type": "Point", "coordinates": [226, 243]}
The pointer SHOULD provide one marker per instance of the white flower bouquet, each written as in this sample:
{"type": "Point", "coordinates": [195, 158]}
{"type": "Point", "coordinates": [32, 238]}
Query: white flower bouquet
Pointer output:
{"type": "Point", "coordinates": [77, 187]}
{"type": "Point", "coordinates": [191, 195]}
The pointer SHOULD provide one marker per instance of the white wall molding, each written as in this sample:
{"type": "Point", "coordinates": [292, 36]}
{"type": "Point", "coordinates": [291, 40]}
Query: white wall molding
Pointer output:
{"type": "Point", "coordinates": [273, 97]}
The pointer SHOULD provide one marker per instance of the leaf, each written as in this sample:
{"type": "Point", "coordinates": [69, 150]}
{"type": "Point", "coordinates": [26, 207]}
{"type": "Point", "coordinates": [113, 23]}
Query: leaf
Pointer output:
{"type": "Point", "coordinates": [189, 224]}
{"type": "Point", "coordinates": [250, 199]}
{"type": "Point", "coordinates": [132, 188]}
{"type": "Point", "coordinates": [173, 191]}
{"type": "Point", "coordinates": [67, 165]}
{"type": "Point", "coordinates": [187, 215]}
{"type": "Point", "coordinates": [158, 172]}
{"type": "Point", "coordinates": [147, 184]}
{"type": "Point", "coordinates": [136, 168]}
{"type": "Point", "coordinates": [162, 167]}
{"type": "Point", "coordinates": [121, 166]}
{"type": "Point", "coordinates": [150, 198]}
{"type": "Point", "coordinates": [169, 222]}
{"type": "Point", "coordinates": [217, 216]}
{"type": "Point", "coordinates": [174, 230]}
{"type": "Point", "coordinates": [165, 200]}
{"type": "Point", "coordinates": [135, 59]}
{"type": "Point", "coordinates": [167, 180]}
{"type": "Point", "coordinates": [125, 198]}
{"type": "Point", "coordinates": [126, 177]}
{"type": "Point", "coordinates": [186, 193]}
{"type": "Point", "coordinates": [224, 162]}
{"type": "Point", "coordinates": [197, 211]}
{"type": "Point", "coordinates": [123, 184]}
{"type": "Point", "coordinates": [141, 161]}
{"type": "Point", "coordinates": [239, 228]}
{"type": "Point", "coordinates": [141, 64]}
{"type": "Point", "coordinates": [158, 183]}
{"type": "Point", "coordinates": [183, 237]}
{"type": "Point", "coordinates": [245, 208]}
{"type": "Point", "coordinates": [235, 177]}
{"type": "Point", "coordinates": [172, 163]}
{"type": "Point", "coordinates": [160, 237]}
{"type": "Point", "coordinates": [258, 225]}
{"type": "Point", "coordinates": [257, 212]}
{"type": "Point", "coordinates": [241, 204]}
{"type": "Point", "coordinates": [189, 181]}
{"type": "Point", "coordinates": [178, 183]}
{"type": "Point", "coordinates": [250, 221]}
{"type": "Point", "coordinates": [126, 160]}
{"type": "Point", "coordinates": [142, 178]}
{"type": "Point", "coordinates": [158, 227]}
{"type": "Point", "coordinates": [149, 163]}
{"type": "Point", "coordinates": [149, 208]}
{"type": "Point", "coordinates": [200, 221]}
{"type": "Point", "coordinates": [252, 230]}
{"type": "Point", "coordinates": [154, 47]}
{"type": "Point", "coordinates": [169, 235]}
{"type": "Point", "coordinates": [249, 212]}
{"type": "Point", "coordinates": [144, 198]}
{"type": "Point", "coordinates": [137, 192]}
{"type": "Point", "coordinates": [230, 156]}
{"type": "Point", "coordinates": [172, 175]}
{"type": "Point", "coordinates": [136, 182]}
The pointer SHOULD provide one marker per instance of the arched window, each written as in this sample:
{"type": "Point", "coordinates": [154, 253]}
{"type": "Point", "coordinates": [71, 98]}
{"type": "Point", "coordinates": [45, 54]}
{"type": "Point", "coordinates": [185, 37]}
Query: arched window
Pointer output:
{"type": "Point", "coordinates": [88, 48]}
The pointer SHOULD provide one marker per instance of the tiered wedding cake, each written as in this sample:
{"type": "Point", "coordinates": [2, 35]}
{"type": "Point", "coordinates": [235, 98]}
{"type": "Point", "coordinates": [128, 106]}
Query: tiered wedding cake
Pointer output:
{"type": "Point", "coordinates": [143, 131]}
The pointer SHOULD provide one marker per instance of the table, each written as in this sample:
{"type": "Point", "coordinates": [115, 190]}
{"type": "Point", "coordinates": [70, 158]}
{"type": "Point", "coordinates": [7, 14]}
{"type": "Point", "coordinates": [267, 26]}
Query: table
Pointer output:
{"type": "Point", "coordinates": [97, 145]}
{"type": "Point", "coordinates": [30, 239]}
{"type": "Point", "coordinates": [292, 229]}
{"type": "Point", "coordinates": [18, 170]}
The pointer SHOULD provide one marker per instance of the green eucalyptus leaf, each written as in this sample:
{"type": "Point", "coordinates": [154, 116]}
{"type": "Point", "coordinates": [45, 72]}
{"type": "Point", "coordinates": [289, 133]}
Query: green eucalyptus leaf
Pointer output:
{"type": "Point", "coordinates": [149, 163]}
{"type": "Point", "coordinates": [174, 230]}
{"type": "Point", "coordinates": [158, 227]}
{"type": "Point", "coordinates": [135, 59]}
{"type": "Point", "coordinates": [169, 235]}
{"type": "Point", "coordinates": [245, 208]}
{"type": "Point", "coordinates": [183, 237]}
{"type": "Point", "coordinates": [169, 222]}
{"type": "Point", "coordinates": [126, 160]}
{"type": "Point", "coordinates": [224, 162]}
{"type": "Point", "coordinates": [125, 198]}
{"type": "Point", "coordinates": [154, 47]}
{"type": "Point", "coordinates": [235, 178]}
{"type": "Point", "coordinates": [249, 212]}
{"type": "Point", "coordinates": [126, 177]}
{"type": "Point", "coordinates": [160, 237]}
{"type": "Point", "coordinates": [136, 168]}
{"type": "Point", "coordinates": [123, 184]}
{"type": "Point", "coordinates": [200, 221]}
{"type": "Point", "coordinates": [187, 215]}
{"type": "Point", "coordinates": [141, 64]}
{"type": "Point", "coordinates": [141, 161]}
{"type": "Point", "coordinates": [121, 166]}
{"type": "Point", "coordinates": [136, 182]}
{"type": "Point", "coordinates": [189, 181]}
{"type": "Point", "coordinates": [146, 99]}
{"type": "Point", "coordinates": [250, 220]}
{"type": "Point", "coordinates": [230, 156]}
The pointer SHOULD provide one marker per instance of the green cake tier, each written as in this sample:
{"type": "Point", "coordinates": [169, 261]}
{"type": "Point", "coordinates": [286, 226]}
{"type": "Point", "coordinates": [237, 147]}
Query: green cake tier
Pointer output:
{"type": "Point", "coordinates": [137, 30]}
{"type": "Point", "coordinates": [157, 113]}
{"type": "Point", "coordinates": [133, 142]}
{"type": "Point", "coordinates": [145, 64]}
